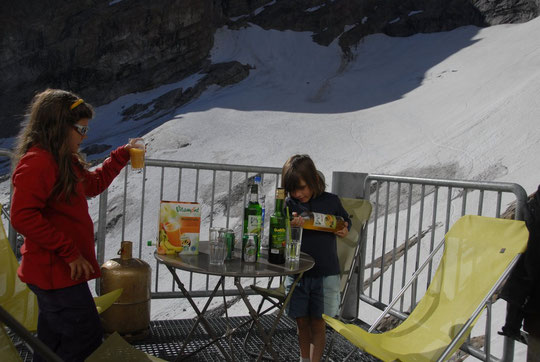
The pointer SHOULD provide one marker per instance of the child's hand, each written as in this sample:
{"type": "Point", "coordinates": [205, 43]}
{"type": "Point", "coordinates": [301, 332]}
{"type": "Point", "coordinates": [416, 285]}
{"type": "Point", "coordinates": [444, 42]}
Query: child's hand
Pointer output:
{"type": "Point", "coordinates": [132, 143]}
{"type": "Point", "coordinates": [297, 220]}
{"type": "Point", "coordinates": [343, 232]}
{"type": "Point", "coordinates": [79, 267]}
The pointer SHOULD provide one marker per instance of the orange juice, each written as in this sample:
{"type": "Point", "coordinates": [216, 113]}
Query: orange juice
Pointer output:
{"type": "Point", "coordinates": [173, 233]}
{"type": "Point", "coordinates": [137, 157]}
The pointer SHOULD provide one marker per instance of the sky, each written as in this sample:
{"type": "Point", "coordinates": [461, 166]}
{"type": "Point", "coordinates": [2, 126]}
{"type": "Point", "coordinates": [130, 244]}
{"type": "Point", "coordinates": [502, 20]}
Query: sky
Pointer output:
{"type": "Point", "coordinates": [461, 102]}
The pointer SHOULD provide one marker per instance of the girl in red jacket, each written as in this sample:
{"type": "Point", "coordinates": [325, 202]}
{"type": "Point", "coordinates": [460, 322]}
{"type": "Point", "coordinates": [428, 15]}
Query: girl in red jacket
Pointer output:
{"type": "Point", "coordinates": [50, 186]}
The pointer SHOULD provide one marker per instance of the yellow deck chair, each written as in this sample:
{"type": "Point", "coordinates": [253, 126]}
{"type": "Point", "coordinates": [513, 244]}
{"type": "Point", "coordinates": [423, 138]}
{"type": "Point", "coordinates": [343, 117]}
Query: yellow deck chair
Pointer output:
{"type": "Point", "coordinates": [18, 299]}
{"type": "Point", "coordinates": [359, 211]}
{"type": "Point", "coordinates": [8, 352]}
{"type": "Point", "coordinates": [348, 247]}
{"type": "Point", "coordinates": [478, 255]}
{"type": "Point", "coordinates": [113, 349]}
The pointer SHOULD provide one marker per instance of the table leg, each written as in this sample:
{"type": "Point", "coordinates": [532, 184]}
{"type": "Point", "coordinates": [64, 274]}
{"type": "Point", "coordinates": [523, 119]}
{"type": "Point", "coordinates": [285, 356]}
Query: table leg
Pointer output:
{"type": "Point", "coordinates": [200, 316]}
{"type": "Point", "coordinates": [282, 309]}
{"type": "Point", "coordinates": [230, 330]}
{"type": "Point", "coordinates": [255, 318]}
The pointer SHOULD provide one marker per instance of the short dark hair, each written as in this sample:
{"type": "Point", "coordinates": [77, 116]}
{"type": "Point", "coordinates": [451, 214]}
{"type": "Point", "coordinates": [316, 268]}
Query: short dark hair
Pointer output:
{"type": "Point", "coordinates": [301, 167]}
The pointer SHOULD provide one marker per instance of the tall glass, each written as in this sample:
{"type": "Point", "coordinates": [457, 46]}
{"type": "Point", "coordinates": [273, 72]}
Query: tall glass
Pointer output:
{"type": "Point", "coordinates": [294, 243]}
{"type": "Point", "coordinates": [136, 153]}
{"type": "Point", "coordinates": [217, 246]}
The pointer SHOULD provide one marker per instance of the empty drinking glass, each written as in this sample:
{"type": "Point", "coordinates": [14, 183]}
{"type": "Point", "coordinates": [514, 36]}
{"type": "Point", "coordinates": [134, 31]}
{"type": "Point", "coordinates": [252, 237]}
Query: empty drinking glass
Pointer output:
{"type": "Point", "coordinates": [294, 243]}
{"type": "Point", "coordinates": [217, 247]}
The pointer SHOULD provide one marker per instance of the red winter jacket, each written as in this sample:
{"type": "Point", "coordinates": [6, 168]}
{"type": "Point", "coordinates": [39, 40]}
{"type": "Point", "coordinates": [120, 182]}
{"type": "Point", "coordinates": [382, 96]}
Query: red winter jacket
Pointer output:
{"type": "Point", "coordinates": [56, 232]}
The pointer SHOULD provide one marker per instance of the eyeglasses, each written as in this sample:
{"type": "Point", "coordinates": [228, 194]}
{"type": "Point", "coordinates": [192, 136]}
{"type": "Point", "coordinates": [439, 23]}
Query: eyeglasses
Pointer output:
{"type": "Point", "coordinates": [83, 130]}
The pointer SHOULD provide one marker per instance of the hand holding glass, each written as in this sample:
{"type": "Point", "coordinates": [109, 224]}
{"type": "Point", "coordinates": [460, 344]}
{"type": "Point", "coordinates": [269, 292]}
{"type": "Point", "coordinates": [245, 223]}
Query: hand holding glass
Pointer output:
{"type": "Point", "coordinates": [294, 243]}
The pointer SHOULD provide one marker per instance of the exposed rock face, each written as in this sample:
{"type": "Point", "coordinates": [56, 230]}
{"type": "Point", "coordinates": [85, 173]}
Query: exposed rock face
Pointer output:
{"type": "Point", "coordinates": [103, 49]}
{"type": "Point", "coordinates": [221, 74]}
{"type": "Point", "coordinates": [98, 50]}
{"type": "Point", "coordinates": [351, 20]}
{"type": "Point", "coordinates": [509, 11]}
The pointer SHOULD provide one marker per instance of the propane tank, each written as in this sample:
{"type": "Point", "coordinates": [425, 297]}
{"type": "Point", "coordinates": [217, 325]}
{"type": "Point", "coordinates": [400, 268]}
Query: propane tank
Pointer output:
{"type": "Point", "coordinates": [130, 314]}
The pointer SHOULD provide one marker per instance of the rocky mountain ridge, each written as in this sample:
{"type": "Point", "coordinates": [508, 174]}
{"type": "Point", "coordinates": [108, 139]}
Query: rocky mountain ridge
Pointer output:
{"type": "Point", "coordinates": [103, 49]}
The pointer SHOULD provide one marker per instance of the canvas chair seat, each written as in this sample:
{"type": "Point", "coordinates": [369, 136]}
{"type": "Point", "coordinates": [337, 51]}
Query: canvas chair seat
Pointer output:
{"type": "Point", "coordinates": [113, 349]}
{"type": "Point", "coordinates": [479, 252]}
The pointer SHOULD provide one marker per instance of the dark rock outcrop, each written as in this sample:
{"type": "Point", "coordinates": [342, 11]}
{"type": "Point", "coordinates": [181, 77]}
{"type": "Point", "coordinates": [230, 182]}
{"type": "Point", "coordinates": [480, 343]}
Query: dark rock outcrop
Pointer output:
{"type": "Point", "coordinates": [103, 49]}
{"type": "Point", "coordinates": [221, 74]}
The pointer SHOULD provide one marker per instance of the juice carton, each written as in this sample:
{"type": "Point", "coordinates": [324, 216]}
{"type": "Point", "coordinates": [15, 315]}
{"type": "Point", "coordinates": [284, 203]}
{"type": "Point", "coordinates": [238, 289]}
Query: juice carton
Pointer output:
{"type": "Point", "coordinates": [179, 227]}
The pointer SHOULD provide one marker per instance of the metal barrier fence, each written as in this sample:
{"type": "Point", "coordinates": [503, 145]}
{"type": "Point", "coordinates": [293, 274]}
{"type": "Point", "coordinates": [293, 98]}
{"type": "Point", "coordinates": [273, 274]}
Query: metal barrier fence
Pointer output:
{"type": "Point", "coordinates": [133, 211]}
{"type": "Point", "coordinates": [410, 216]}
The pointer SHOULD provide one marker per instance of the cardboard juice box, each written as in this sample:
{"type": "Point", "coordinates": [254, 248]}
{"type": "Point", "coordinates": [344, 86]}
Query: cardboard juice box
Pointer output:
{"type": "Point", "coordinates": [179, 228]}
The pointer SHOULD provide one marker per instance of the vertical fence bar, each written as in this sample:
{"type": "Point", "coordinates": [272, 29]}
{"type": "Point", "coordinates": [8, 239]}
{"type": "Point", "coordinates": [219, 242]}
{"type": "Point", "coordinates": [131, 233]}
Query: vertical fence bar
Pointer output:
{"type": "Point", "coordinates": [383, 249]}
{"type": "Point", "coordinates": [124, 204]}
{"type": "Point", "coordinates": [396, 230]}
{"type": "Point", "coordinates": [433, 224]}
{"type": "Point", "coordinates": [212, 198]}
{"type": "Point", "coordinates": [196, 185]}
{"type": "Point", "coordinates": [480, 202]}
{"type": "Point", "coordinates": [102, 227]}
{"type": "Point", "coordinates": [375, 222]}
{"type": "Point", "coordinates": [448, 210]}
{"type": "Point", "coordinates": [179, 184]}
{"type": "Point", "coordinates": [407, 233]}
{"type": "Point", "coordinates": [141, 223]}
{"type": "Point", "coordinates": [498, 207]}
{"type": "Point", "coordinates": [464, 202]}
{"type": "Point", "coordinates": [229, 203]}
{"type": "Point", "coordinates": [414, 286]}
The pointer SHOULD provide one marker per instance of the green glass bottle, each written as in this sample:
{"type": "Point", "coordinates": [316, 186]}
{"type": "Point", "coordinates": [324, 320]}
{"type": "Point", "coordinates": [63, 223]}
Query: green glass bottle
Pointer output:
{"type": "Point", "coordinates": [278, 231]}
{"type": "Point", "coordinates": [253, 216]}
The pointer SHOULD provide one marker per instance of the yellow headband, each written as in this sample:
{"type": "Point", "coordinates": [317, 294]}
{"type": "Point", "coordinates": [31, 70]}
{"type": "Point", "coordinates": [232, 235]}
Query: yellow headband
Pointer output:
{"type": "Point", "coordinates": [77, 102]}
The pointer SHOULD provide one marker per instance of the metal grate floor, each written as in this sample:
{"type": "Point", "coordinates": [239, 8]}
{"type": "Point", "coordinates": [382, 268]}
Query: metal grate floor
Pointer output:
{"type": "Point", "coordinates": [166, 337]}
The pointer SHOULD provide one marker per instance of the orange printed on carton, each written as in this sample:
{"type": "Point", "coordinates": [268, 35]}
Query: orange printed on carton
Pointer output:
{"type": "Point", "coordinates": [179, 227]}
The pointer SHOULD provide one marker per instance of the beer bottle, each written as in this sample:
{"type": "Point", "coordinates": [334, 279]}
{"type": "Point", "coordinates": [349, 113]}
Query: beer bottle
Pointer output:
{"type": "Point", "coordinates": [278, 233]}
{"type": "Point", "coordinates": [322, 222]}
{"type": "Point", "coordinates": [253, 216]}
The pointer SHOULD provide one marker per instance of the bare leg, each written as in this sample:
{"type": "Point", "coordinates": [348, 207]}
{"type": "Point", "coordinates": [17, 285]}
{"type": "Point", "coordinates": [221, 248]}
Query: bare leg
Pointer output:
{"type": "Point", "coordinates": [318, 338]}
{"type": "Point", "coordinates": [304, 335]}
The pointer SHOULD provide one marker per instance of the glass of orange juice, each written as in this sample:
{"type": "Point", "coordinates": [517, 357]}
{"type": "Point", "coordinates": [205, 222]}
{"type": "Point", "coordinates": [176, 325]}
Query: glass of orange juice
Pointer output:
{"type": "Point", "coordinates": [136, 153]}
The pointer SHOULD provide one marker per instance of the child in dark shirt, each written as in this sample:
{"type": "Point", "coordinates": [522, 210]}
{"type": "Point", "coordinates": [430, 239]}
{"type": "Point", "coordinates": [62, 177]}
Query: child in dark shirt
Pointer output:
{"type": "Point", "coordinates": [318, 290]}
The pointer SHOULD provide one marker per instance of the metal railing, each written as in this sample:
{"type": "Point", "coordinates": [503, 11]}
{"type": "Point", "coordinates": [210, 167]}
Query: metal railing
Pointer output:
{"type": "Point", "coordinates": [133, 213]}
{"type": "Point", "coordinates": [410, 216]}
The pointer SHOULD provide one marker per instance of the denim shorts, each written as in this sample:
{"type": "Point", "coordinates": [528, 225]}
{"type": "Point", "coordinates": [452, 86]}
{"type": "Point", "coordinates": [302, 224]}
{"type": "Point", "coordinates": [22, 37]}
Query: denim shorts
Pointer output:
{"type": "Point", "coordinates": [313, 296]}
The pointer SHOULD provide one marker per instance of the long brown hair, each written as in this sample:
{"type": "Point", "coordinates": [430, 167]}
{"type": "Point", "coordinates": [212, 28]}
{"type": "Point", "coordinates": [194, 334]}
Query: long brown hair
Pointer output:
{"type": "Point", "coordinates": [301, 167]}
{"type": "Point", "coordinates": [47, 124]}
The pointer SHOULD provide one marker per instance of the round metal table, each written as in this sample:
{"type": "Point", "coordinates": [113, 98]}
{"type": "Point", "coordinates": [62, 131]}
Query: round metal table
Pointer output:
{"type": "Point", "coordinates": [236, 269]}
